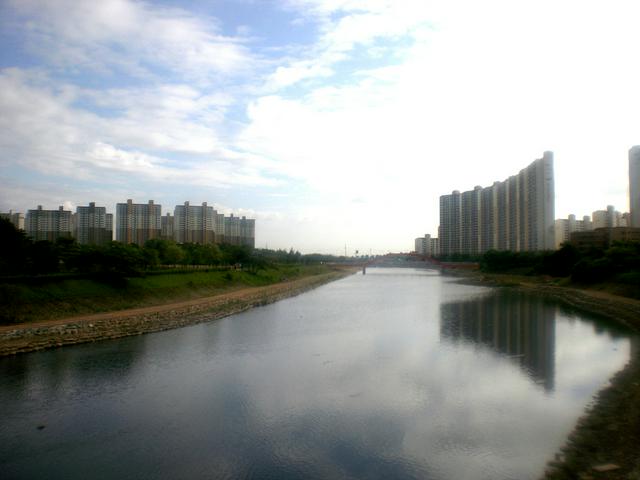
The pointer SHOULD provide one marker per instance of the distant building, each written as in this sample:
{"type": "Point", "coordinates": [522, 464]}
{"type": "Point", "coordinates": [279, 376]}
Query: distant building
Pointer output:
{"type": "Point", "coordinates": [17, 219]}
{"type": "Point", "coordinates": [194, 223]}
{"type": "Point", "coordinates": [435, 247]}
{"type": "Point", "coordinates": [48, 224]}
{"type": "Point", "coordinates": [426, 246]}
{"type": "Point", "coordinates": [517, 214]}
{"type": "Point", "coordinates": [634, 185]}
{"type": "Point", "coordinates": [166, 227]}
{"type": "Point", "coordinates": [248, 232]}
{"type": "Point", "coordinates": [137, 222]}
{"type": "Point", "coordinates": [608, 218]}
{"type": "Point", "coordinates": [239, 231]}
{"type": "Point", "coordinates": [603, 237]}
{"type": "Point", "coordinates": [219, 228]}
{"type": "Point", "coordinates": [421, 245]}
{"type": "Point", "coordinates": [93, 225]}
{"type": "Point", "coordinates": [566, 226]}
{"type": "Point", "coordinates": [232, 230]}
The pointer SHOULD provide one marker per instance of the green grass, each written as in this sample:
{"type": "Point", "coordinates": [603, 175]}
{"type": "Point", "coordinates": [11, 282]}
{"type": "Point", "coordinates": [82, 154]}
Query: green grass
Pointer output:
{"type": "Point", "coordinates": [59, 298]}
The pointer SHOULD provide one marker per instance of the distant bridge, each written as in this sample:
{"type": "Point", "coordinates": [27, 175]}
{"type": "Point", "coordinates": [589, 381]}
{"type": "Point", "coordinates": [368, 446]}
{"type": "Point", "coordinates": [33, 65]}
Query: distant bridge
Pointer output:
{"type": "Point", "coordinates": [412, 260]}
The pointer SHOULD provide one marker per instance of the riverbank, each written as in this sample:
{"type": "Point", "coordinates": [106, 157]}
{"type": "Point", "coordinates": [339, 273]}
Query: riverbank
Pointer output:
{"type": "Point", "coordinates": [32, 336]}
{"type": "Point", "coordinates": [606, 440]}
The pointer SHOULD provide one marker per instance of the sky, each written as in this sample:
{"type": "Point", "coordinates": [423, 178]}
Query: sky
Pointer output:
{"type": "Point", "coordinates": [336, 124]}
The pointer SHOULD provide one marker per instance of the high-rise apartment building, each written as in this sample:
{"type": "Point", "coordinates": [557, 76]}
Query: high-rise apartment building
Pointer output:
{"type": "Point", "coordinates": [634, 186]}
{"type": "Point", "coordinates": [48, 224]}
{"type": "Point", "coordinates": [248, 232]}
{"type": "Point", "coordinates": [93, 225]}
{"type": "Point", "coordinates": [166, 227]}
{"type": "Point", "coordinates": [517, 214]}
{"type": "Point", "coordinates": [609, 218]}
{"type": "Point", "coordinates": [17, 219]}
{"type": "Point", "coordinates": [239, 231]}
{"type": "Point", "coordinates": [421, 245]}
{"type": "Point", "coordinates": [232, 230]}
{"type": "Point", "coordinates": [426, 246]}
{"type": "Point", "coordinates": [194, 223]}
{"type": "Point", "coordinates": [564, 227]}
{"type": "Point", "coordinates": [219, 228]}
{"type": "Point", "coordinates": [137, 222]}
{"type": "Point", "coordinates": [450, 224]}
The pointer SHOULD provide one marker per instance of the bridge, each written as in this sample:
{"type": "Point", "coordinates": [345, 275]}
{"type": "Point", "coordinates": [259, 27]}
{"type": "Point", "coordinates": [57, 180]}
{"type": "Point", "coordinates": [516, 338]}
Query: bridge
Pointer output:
{"type": "Point", "coordinates": [413, 260]}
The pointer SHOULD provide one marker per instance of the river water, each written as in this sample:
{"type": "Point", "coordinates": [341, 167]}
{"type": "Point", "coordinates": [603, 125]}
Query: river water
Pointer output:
{"type": "Point", "coordinates": [398, 373]}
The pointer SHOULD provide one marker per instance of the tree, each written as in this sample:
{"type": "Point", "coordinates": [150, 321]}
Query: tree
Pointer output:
{"type": "Point", "coordinates": [14, 249]}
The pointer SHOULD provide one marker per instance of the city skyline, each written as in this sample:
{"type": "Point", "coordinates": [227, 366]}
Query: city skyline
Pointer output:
{"type": "Point", "coordinates": [331, 123]}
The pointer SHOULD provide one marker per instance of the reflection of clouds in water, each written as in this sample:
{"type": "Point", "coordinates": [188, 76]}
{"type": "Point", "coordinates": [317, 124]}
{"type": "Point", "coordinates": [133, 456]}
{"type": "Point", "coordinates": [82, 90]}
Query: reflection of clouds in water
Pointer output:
{"type": "Point", "coordinates": [353, 380]}
{"type": "Point", "coordinates": [586, 357]}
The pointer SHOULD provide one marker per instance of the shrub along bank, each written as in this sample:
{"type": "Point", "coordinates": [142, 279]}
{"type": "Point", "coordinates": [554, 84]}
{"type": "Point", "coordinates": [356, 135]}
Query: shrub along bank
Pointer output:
{"type": "Point", "coordinates": [53, 297]}
{"type": "Point", "coordinates": [616, 268]}
{"type": "Point", "coordinates": [47, 280]}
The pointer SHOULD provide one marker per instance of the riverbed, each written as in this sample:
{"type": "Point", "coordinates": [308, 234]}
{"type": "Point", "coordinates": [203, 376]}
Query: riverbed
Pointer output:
{"type": "Point", "coordinates": [398, 373]}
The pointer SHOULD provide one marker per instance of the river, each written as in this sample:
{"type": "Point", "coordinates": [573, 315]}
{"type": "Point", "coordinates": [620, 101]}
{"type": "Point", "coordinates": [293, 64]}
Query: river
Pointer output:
{"type": "Point", "coordinates": [398, 373]}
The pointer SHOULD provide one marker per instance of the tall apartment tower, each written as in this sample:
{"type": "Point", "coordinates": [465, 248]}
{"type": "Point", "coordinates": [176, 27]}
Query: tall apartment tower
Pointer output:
{"type": "Point", "coordinates": [94, 226]}
{"type": "Point", "coordinates": [450, 224]}
{"type": "Point", "coordinates": [248, 232]}
{"type": "Point", "coordinates": [634, 185]}
{"type": "Point", "coordinates": [137, 222]}
{"type": "Point", "coordinates": [539, 197]}
{"type": "Point", "coordinates": [219, 228]}
{"type": "Point", "coordinates": [48, 224]}
{"type": "Point", "coordinates": [517, 214]}
{"type": "Point", "coordinates": [166, 228]}
{"type": "Point", "coordinates": [232, 230]}
{"type": "Point", "coordinates": [194, 223]}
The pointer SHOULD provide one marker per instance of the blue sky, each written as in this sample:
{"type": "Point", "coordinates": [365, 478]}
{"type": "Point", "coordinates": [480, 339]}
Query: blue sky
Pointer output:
{"type": "Point", "coordinates": [331, 122]}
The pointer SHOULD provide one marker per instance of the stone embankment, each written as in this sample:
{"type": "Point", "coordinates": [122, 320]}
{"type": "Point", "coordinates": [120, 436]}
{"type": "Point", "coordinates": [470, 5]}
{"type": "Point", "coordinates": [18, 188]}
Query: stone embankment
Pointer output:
{"type": "Point", "coordinates": [29, 337]}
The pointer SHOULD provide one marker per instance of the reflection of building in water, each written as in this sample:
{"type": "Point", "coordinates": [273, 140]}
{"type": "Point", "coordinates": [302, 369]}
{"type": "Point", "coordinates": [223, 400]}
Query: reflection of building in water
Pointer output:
{"type": "Point", "coordinates": [512, 324]}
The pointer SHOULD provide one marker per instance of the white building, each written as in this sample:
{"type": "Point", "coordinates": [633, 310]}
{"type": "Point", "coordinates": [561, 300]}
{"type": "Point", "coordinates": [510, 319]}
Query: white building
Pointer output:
{"type": "Point", "coordinates": [608, 218]}
{"type": "Point", "coordinates": [634, 186]}
{"type": "Point", "coordinates": [517, 214]}
{"type": "Point", "coordinates": [93, 225]}
{"type": "Point", "coordinates": [566, 226]}
{"type": "Point", "coordinates": [137, 222]}
{"type": "Point", "coordinates": [194, 223]}
{"type": "Point", "coordinates": [48, 224]}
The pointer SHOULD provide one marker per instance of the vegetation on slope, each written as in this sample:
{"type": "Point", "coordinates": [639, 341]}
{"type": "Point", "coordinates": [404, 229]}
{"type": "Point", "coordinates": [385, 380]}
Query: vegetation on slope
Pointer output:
{"type": "Point", "coordinates": [44, 280]}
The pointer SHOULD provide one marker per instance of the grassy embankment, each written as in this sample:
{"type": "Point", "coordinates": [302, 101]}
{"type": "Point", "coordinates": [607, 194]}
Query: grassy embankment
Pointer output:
{"type": "Point", "coordinates": [54, 297]}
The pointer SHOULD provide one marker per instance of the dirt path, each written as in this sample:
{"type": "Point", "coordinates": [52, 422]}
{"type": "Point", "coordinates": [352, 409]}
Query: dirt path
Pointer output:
{"type": "Point", "coordinates": [29, 337]}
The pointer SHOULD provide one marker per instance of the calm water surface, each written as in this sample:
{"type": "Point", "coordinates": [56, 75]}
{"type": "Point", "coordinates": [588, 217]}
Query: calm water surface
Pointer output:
{"type": "Point", "coordinates": [398, 374]}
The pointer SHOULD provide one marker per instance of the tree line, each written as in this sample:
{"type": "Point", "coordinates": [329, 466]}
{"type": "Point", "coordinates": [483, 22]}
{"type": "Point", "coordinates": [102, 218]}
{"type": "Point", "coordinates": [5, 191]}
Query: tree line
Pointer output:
{"type": "Point", "coordinates": [20, 255]}
{"type": "Point", "coordinates": [619, 262]}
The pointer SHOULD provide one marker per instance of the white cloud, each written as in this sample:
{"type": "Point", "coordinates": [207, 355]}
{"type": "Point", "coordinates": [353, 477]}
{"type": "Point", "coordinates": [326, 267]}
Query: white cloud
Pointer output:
{"type": "Point", "coordinates": [393, 103]}
{"type": "Point", "coordinates": [135, 37]}
{"type": "Point", "coordinates": [43, 130]}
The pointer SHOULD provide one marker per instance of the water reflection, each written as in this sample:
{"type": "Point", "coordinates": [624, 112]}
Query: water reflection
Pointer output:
{"type": "Point", "coordinates": [516, 325]}
{"type": "Point", "coordinates": [393, 374]}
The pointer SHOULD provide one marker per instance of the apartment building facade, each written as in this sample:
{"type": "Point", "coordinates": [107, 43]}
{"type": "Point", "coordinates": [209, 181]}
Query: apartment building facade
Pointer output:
{"type": "Point", "coordinates": [194, 223]}
{"type": "Point", "coordinates": [48, 225]}
{"type": "Point", "coordinates": [516, 214]}
{"type": "Point", "coordinates": [93, 225]}
{"type": "Point", "coordinates": [564, 227]}
{"type": "Point", "coordinates": [137, 222]}
{"type": "Point", "coordinates": [634, 186]}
